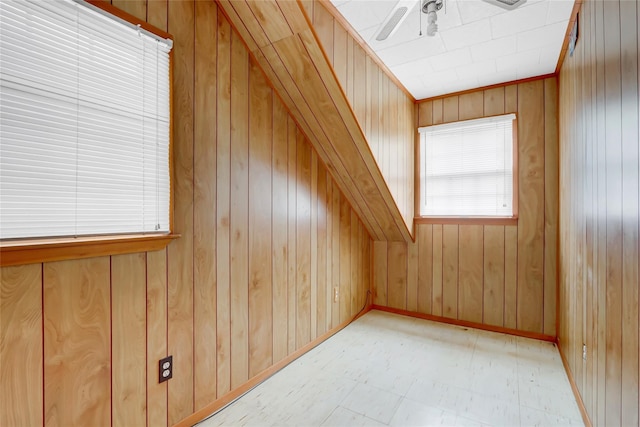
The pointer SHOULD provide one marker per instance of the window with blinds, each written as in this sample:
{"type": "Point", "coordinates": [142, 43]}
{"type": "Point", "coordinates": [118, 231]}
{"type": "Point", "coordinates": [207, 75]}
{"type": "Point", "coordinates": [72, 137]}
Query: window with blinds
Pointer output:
{"type": "Point", "coordinates": [466, 168]}
{"type": "Point", "coordinates": [84, 122]}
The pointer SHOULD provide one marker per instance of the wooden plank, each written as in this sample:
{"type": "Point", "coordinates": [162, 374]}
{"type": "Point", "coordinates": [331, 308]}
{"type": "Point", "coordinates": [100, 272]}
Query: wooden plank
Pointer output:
{"type": "Point", "coordinates": [21, 381]}
{"type": "Point", "coordinates": [292, 209]}
{"type": "Point", "coordinates": [397, 275]}
{"type": "Point", "coordinates": [614, 217]}
{"type": "Point", "coordinates": [313, 282]}
{"type": "Point", "coordinates": [471, 105]}
{"type": "Point", "coordinates": [330, 249]}
{"type": "Point", "coordinates": [335, 256]}
{"type": "Point", "coordinates": [437, 291]}
{"type": "Point", "coordinates": [494, 269]}
{"type": "Point", "coordinates": [511, 99]}
{"type": "Point", "coordinates": [630, 40]}
{"type": "Point", "coordinates": [344, 297]}
{"type": "Point", "coordinates": [355, 267]}
{"type": "Point", "coordinates": [412, 276]}
{"type": "Point", "coordinates": [239, 215]}
{"type": "Point", "coordinates": [180, 258]}
{"type": "Point", "coordinates": [323, 24]}
{"type": "Point", "coordinates": [260, 279]}
{"type": "Point", "coordinates": [270, 18]}
{"type": "Point", "coordinates": [279, 241]}
{"type": "Point", "coordinates": [551, 201]}
{"type": "Point", "coordinates": [470, 281]}
{"type": "Point", "coordinates": [323, 297]}
{"type": "Point", "coordinates": [437, 114]}
{"type": "Point", "coordinates": [77, 342]}
{"type": "Point", "coordinates": [424, 236]}
{"type": "Point", "coordinates": [510, 276]}
{"type": "Point", "coordinates": [137, 8]}
{"type": "Point", "coordinates": [156, 336]}
{"type": "Point", "coordinates": [157, 13]}
{"type": "Point", "coordinates": [494, 101]}
{"type": "Point", "coordinates": [425, 113]}
{"type": "Point", "coordinates": [450, 271]}
{"type": "Point", "coordinates": [450, 107]}
{"type": "Point", "coordinates": [380, 273]}
{"type": "Point", "coordinates": [128, 339]}
{"type": "Point", "coordinates": [359, 84]}
{"type": "Point", "coordinates": [531, 206]}
{"type": "Point", "coordinates": [223, 207]}
{"type": "Point", "coordinates": [340, 55]}
{"type": "Point", "coordinates": [303, 244]}
{"type": "Point", "coordinates": [350, 87]}
{"type": "Point", "coordinates": [204, 194]}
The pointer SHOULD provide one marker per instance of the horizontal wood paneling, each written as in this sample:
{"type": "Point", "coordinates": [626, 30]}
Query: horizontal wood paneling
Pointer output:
{"type": "Point", "coordinates": [254, 203]}
{"type": "Point", "coordinates": [600, 211]}
{"type": "Point", "coordinates": [500, 275]}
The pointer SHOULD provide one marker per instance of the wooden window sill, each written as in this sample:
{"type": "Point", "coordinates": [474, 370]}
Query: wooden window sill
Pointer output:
{"type": "Point", "coordinates": [466, 220]}
{"type": "Point", "coordinates": [29, 251]}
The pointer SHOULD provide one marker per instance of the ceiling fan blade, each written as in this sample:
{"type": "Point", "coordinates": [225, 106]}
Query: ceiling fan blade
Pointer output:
{"type": "Point", "coordinates": [392, 22]}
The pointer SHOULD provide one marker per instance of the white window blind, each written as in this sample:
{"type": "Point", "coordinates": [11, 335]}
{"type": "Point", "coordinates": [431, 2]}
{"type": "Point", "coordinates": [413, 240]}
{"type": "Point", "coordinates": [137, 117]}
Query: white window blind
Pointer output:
{"type": "Point", "coordinates": [466, 168]}
{"type": "Point", "coordinates": [84, 122]}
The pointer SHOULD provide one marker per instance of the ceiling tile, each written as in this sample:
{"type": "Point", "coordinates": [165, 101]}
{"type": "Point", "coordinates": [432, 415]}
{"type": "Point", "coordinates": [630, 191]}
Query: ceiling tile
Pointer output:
{"type": "Point", "coordinates": [364, 14]}
{"type": "Point", "coordinates": [474, 10]}
{"type": "Point", "coordinates": [515, 21]}
{"type": "Point", "coordinates": [559, 11]}
{"type": "Point", "coordinates": [493, 49]}
{"type": "Point", "coordinates": [479, 69]}
{"type": "Point", "coordinates": [416, 49]}
{"type": "Point", "coordinates": [465, 35]}
{"type": "Point", "coordinates": [542, 36]}
{"type": "Point", "coordinates": [452, 59]}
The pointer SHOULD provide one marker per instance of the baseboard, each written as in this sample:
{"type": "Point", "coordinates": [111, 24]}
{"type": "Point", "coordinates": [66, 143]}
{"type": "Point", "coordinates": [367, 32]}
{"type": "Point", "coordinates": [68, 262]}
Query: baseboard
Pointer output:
{"type": "Point", "coordinates": [262, 376]}
{"type": "Point", "coordinates": [574, 388]}
{"type": "Point", "coordinates": [467, 324]}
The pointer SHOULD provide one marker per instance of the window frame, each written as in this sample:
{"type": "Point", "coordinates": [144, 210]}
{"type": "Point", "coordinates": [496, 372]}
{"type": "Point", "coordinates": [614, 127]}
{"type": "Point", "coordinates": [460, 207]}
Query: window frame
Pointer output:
{"type": "Point", "coordinates": [461, 219]}
{"type": "Point", "coordinates": [47, 249]}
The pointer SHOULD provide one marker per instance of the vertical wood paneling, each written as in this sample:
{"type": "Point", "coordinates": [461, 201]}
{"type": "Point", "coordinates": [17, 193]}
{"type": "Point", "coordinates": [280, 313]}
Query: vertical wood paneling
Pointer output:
{"type": "Point", "coordinates": [21, 345]}
{"type": "Point", "coordinates": [303, 244]}
{"type": "Point", "coordinates": [380, 273]}
{"type": "Point", "coordinates": [397, 275]}
{"type": "Point", "coordinates": [412, 276]}
{"type": "Point", "coordinates": [493, 299]}
{"type": "Point", "coordinates": [260, 164]}
{"type": "Point", "coordinates": [180, 260]}
{"type": "Point", "coordinates": [77, 342]}
{"type": "Point", "coordinates": [239, 239]}
{"type": "Point", "coordinates": [205, 185]}
{"type": "Point", "coordinates": [509, 274]}
{"type": "Point", "coordinates": [279, 204]}
{"type": "Point", "coordinates": [450, 270]}
{"type": "Point", "coordinates": [223, 207]}
{"type": "Point", "coordinates": [128, 339]}
{"type": "Point", "coordinates": [425, 267]}
{"type": "Point", "coordinates": [471, 277]}
{"type": "Point", "coordinates": [156, 336]}
{"type": "Point", "coordinates": [223, 297]}
{"type": "Point", "coordinates": [599, 215]}
{"type": "Point", "coordinates": [531, 200]}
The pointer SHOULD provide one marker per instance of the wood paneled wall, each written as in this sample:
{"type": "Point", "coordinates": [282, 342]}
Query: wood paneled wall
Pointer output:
{"type": "Point", "coordinates": [499, 275]}
{"type": "Point", "coordinates": [384, 111]}
{"type": "Point", "coordinates": [599, 211]}
{"type": "Point", "coordinates": [266, 235]}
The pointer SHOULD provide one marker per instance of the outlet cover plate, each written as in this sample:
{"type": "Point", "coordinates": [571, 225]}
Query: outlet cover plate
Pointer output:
{"type": "Point", "coordinates": [165, 365]}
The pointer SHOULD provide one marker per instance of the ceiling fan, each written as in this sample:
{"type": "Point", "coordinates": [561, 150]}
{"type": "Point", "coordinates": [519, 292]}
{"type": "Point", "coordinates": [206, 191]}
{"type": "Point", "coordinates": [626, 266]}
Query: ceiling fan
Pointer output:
{"type": "Point", "coordinates": [430, 8]}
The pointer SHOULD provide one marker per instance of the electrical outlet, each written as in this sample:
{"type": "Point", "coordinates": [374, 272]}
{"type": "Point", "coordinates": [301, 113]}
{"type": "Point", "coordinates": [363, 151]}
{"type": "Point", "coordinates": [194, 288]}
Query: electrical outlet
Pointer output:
{"type": "Point", "coordinates": [584, 352]}
{"type": "Point", "coordinates": [335, 294]}
{"type": "Point", "coordinates": [165, 369]}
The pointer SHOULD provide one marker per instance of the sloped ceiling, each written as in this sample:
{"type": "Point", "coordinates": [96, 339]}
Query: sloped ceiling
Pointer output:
{"type": "Point", "coordinates": [477, 43]}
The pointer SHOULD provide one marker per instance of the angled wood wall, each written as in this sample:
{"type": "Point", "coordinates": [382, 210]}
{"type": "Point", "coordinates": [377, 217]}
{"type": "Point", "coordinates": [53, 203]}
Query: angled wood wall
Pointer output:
{"type": "Point", "coordinates": [384, 111]}
{"type": "Point", "coordinates": [600, 212]}
{"type": "Point", "coordinates": [499, 275]}
{"type": "Point", "coordinates": [266, 235]}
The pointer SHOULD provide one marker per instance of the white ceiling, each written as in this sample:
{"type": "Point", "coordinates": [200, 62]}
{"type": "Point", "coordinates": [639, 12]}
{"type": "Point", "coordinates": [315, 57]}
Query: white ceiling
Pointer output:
{"type": "Point", "coordinates": [477, 44]}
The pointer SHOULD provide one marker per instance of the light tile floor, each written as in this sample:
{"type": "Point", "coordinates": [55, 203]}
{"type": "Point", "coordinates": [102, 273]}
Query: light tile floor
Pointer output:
{"type": "Point", "coordinates": [386, 369]}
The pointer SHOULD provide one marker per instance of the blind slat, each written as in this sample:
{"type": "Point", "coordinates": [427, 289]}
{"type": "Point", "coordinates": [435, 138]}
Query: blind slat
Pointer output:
{"type": "Point", "coordinates": [84, 123]}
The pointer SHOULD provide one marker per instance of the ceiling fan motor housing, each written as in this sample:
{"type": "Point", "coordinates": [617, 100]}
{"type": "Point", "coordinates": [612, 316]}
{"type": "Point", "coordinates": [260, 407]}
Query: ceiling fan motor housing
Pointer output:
{"type": "Point", "coordinates": [507, 4]}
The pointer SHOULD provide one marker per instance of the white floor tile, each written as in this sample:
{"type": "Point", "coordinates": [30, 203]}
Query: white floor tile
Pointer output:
{"type": "Point", "coordinates": [390, 369]}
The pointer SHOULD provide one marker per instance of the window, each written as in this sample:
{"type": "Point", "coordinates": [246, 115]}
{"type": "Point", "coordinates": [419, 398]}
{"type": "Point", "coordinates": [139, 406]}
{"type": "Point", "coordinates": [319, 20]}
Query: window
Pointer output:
{"type": "Point", "coordinates": [467, 168]}
{"type": "Point", "coordinates": [84, 122]}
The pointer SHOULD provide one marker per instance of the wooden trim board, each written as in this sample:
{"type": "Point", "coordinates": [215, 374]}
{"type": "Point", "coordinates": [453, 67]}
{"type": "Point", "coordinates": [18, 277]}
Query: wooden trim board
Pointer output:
{"type": "Point", "coordinates": [474, 325]}
{"type": "Point", "coordinates": [574, 388]}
